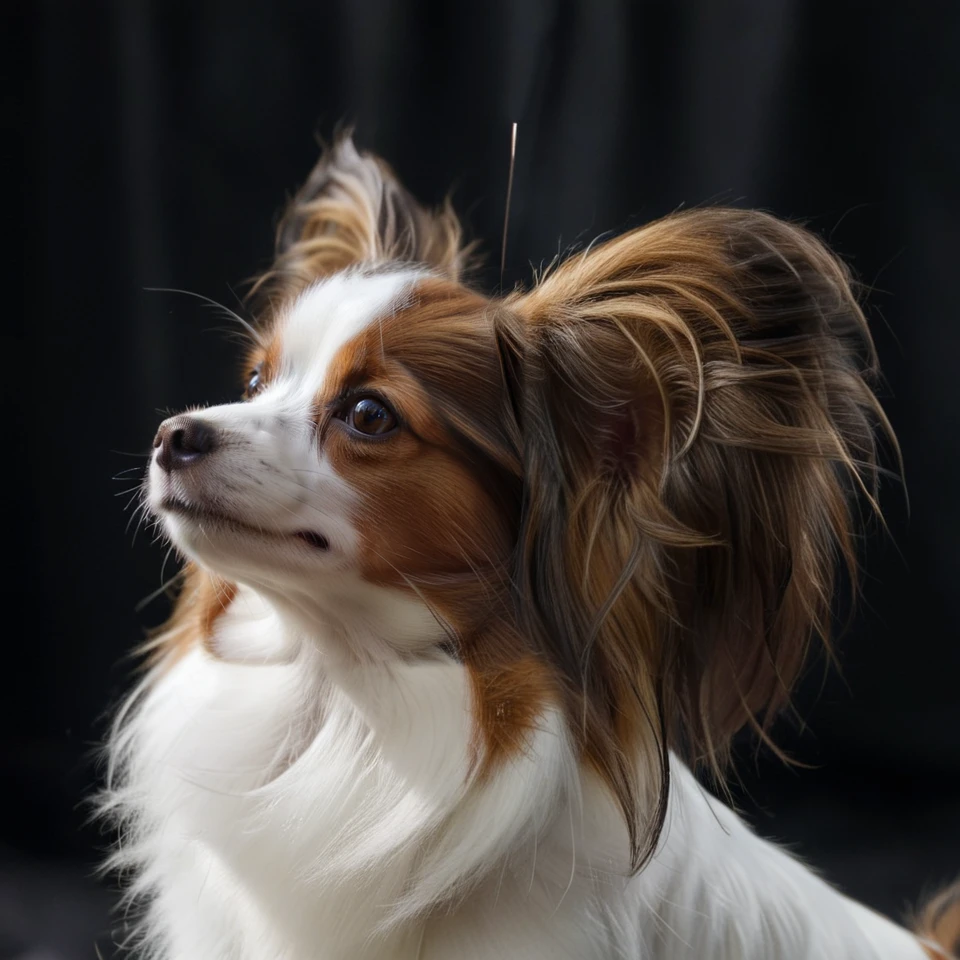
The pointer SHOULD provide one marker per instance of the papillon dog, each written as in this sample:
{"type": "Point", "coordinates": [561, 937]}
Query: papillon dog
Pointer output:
{"type": "Point", "coordinates": [473, 586]}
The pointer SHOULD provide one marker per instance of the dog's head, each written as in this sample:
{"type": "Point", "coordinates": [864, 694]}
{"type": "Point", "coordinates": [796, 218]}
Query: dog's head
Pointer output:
{"type": "Point", "coordinates": [622, 493]}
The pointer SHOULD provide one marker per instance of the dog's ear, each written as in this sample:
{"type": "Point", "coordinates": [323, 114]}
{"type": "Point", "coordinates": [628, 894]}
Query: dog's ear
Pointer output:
{"type": "Point", "coordinates": [351, 211]}
{"type": "Point", "coordinates": [695, 414]}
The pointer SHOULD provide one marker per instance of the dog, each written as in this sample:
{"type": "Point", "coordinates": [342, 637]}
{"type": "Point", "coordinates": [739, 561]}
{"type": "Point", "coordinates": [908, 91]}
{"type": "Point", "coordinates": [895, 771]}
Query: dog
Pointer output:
{"type": "Point", "coordinates": [474, 583]}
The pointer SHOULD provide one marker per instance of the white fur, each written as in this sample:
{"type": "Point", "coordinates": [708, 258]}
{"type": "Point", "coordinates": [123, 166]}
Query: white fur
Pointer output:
{"type": "Point", "coordinates": [291, 810]}
{"type": "Point", "coordinates": [312, 792]}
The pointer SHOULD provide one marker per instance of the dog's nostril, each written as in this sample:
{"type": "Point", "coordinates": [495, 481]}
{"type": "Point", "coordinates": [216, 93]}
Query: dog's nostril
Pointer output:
{"type": "Point", "coordinates": [196, 437]}
{"type": "Point", "coordinates": [182, 441]}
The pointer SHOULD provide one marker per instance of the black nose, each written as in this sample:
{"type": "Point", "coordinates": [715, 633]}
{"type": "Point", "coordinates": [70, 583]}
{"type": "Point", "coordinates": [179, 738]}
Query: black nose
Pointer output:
{"type": "Point", "coordinates": [182, 441]}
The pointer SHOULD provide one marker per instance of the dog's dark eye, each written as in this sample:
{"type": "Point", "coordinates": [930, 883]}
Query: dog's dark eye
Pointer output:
{"type": "Point", "coordinates": [370, 417]}
{"type": "Point", "coordinates": [254, 384]}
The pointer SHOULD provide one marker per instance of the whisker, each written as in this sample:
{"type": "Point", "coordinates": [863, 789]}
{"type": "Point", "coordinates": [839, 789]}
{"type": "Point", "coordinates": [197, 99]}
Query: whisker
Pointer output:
{"type": "Point", "coordinates": [166, 557]}
{"type": "Point", "coordinates": [159, 591]}
{"type": "Point", "coordinates": [506, 212]}
{"type": "Point", "coordinates": [257, 339]}
{"type": "Point", "coordinates": [126, 453]}
{"type": "Point", "coordinates": [138, 515]}
{"type": "Point", "coordinates": [240, 303]}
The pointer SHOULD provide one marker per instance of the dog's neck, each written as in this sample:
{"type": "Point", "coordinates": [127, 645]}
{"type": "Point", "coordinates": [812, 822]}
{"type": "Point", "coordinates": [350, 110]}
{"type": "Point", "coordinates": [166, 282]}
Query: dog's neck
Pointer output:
{"type": "Point", "coordinates": [352, 624]}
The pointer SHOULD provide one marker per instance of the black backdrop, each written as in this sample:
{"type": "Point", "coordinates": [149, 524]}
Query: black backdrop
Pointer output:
{"type": "Point", "coordinates": [159, 140]}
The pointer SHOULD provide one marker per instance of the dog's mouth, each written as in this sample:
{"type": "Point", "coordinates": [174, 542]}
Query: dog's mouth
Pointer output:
{"type": "Point", "coordinates": [203, 514]}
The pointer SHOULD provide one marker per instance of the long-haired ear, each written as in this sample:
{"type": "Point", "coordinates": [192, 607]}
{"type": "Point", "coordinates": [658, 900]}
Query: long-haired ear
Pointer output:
{"type": "Point", "coordinates": [695, 414]}
{"type": "Point", "coordinates": [353, 210]}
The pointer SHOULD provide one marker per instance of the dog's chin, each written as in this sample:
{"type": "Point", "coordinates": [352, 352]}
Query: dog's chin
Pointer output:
{"type": "Point", "coordinates": [234, 546]}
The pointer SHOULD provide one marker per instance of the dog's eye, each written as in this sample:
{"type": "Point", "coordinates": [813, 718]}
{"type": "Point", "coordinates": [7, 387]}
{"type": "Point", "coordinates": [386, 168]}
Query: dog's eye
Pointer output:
{"type": "Point", "coordinates": [254, 384]}
{"type": "Point", "coordinates": [370, 417]}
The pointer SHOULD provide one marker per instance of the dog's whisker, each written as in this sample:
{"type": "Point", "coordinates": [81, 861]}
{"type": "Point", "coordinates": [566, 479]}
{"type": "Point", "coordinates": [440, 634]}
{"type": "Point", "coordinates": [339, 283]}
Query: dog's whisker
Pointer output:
{"type": "Point", "coordinates": [162, 589]}
{"type": "Point", "coordinates": [233, 315]}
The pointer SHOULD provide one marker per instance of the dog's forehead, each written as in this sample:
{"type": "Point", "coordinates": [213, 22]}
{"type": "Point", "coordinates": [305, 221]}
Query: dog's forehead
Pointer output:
{"type": "Point", "coordinates": [335, 311]}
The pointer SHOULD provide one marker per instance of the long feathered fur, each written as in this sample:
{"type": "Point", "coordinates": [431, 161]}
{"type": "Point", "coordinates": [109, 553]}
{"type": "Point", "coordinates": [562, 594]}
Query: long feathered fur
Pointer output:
{"type": "Point", "coordinates": [697, 411]}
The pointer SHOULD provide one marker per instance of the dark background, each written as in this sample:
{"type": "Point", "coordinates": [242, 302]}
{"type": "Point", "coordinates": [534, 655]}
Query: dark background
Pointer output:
{"type": "Point", "coordinates": [157, 141]}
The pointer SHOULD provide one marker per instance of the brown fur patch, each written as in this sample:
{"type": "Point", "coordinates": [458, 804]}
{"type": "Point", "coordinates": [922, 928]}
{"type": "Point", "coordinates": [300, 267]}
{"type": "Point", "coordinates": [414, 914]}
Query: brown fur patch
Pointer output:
{"type": "Point", "coordinates": [431, 506]}
{"type": "Point", "coordinates": [938, 922]}
{"type": "Point", "coordinates": [265, 356]}
{"type": "Point", "coordinates": [510, 699]}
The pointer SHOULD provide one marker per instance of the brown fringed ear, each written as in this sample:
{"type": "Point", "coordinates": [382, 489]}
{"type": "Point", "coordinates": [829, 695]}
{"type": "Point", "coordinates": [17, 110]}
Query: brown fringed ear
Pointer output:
{"type": "Point", "coordinates": [353, 210]}
{"type": "Point", "coordinates": [696, 415]}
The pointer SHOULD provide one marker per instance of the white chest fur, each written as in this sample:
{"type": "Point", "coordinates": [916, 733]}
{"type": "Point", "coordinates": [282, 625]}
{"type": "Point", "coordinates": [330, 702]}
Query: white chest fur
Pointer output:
{"type": "Point", "coordinates": [270, 813]}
